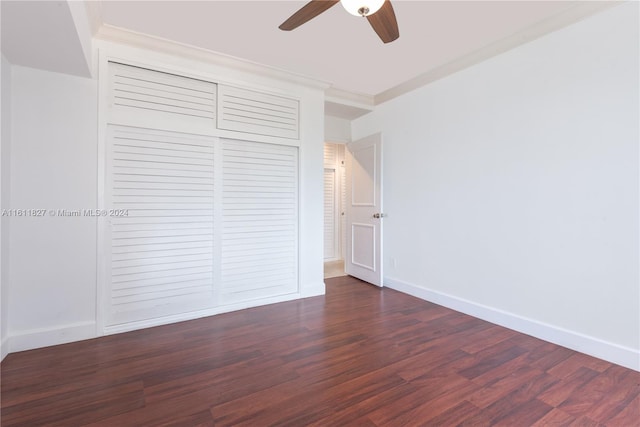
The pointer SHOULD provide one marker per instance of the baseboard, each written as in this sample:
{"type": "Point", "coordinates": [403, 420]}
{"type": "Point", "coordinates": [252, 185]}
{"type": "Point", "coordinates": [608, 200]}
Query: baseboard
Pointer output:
{"type": "Point", "coordinates": [4, 348]}
{"type": "Point", "coordinates": [36, 338]}
{"type": "Point", "coordinates": [313, 290]}
{"type": "Point", "coordinates": [614, 353]}
{"type": "Point", "coordinates": [183, 317]}
{"type": "Point", "coordinates": [44, 337]}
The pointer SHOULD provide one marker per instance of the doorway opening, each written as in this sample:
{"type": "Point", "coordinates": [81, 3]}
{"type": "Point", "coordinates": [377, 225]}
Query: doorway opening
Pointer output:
{"type": "Point", "coordinates": [334, 210]}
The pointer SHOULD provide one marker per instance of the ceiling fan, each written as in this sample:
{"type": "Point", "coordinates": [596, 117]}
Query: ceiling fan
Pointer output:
{"type": "Point", "coordinates": [379, 13]}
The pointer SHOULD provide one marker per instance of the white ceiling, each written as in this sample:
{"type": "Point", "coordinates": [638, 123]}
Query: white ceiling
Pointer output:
{"type": "Point", "coordinates": [336, 47]}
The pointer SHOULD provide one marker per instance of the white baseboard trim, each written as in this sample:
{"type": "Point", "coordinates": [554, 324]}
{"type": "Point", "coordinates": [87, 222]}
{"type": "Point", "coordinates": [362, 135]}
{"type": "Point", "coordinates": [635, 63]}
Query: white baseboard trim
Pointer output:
{"type": "Point", "coordinates": [45, 337]}
{"type": "Point", "coordinates": [313, 290]}
{"type": "Point", "coordinates": [4, 348]}
{"type": "Point", "coordinates": [182, 317]}
{"type": "Point", "coordinates": [611, 352]}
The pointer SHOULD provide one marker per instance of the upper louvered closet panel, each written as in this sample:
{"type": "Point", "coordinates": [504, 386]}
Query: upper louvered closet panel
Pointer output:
{"type": "Point", "coordinates": [142, 97]}
{"type": "Point", "coordinates": [160, 252]}
{"type": "Point", "coordinates": [258, 113]}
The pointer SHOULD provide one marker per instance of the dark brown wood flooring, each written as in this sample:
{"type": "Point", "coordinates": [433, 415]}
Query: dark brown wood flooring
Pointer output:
{"type": "Point", "coordinates": [358, 356]}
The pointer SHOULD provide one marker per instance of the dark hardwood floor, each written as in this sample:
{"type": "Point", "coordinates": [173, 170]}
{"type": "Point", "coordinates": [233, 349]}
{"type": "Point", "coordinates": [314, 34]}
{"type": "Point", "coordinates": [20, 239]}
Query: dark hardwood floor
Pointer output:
{"type": "Point", "coordinates": [357, 356]}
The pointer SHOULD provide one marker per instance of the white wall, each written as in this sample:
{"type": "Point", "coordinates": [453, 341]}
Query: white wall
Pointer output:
{"type": "Point", "coordinates": [337, 129]}
{"type": "Point", "coordinates": [48, 35]}
{"type": "Point", "coordinates": [311, 273]}
{"type": "Point", "coordinates": [512, 188]}
{"type": "Point", "coordinates": [53, 166]}
{"type": "Point", "coordinates": [5, 179]}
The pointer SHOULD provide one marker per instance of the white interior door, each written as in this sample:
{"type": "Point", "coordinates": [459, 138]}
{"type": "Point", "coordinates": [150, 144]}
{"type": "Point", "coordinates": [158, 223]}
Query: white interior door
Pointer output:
{"type": "Point", "coordinates": [364, 209]}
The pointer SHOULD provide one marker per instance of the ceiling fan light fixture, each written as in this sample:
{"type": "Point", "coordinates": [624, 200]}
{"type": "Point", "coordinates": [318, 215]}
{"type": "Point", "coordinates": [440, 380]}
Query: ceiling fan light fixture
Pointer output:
{"type": "Point", "coordinates": [362, 7]}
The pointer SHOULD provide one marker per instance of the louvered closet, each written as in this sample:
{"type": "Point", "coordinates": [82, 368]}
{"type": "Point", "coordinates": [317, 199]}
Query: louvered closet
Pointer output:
{"type": "Point", "coordinates": [334, 202]}
{"type": "Point", "coordinates": [205, 220]}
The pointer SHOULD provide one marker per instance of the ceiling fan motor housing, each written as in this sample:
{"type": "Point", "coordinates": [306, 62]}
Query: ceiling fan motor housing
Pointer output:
{"type": "Point", "coordinates": [379, 13]}
{"type": "Point", "coordinates": [362, 7]}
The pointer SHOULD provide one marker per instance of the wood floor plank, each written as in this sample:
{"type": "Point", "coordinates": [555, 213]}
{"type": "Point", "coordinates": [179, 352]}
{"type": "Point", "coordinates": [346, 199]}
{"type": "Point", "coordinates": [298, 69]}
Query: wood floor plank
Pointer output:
{"type": "Point", "coordinates": [236, 381]}
{"type": "Point", "coordinates": [519, 402]}
{"type": "Point", "coordinates": [585, 421]}
{"type": "Point", "coordinates": [619, 395]}
{"type": "Point", "coordinates": [600, 389]}
{"type": "Point", "coordinates": [491, 358]}
{"type": "Point", "coordinates": [79, 407]}
{"type": "Point", "coordinates": [491, 392]}
{"type": "Point", "coordinates": [432, 364]}
{"type": "Point", "coordinates": [577, 361]}
{"type": "Point", "coordinates": [307, 405]}
{"type": "Point", "coordinates": [358, 356]}
{"type": "Point", "coordinates": [424, 405]}
{"type": "Point", "coordinates": [547, 355]}
{"type": "Point", "coordinates": [456, 415]}
{"type": "Point", "coordinates": [487, 338]}
{"type": "Point", "coordinates": [359, 412]}
{"type": "Point", "coordinates": [555, 418]}
{"type": "Point", "coordinates": [628, 415]}
{"type": "Point", "coordinates": [499, 373]}
{"type": "Point", "coordinates": [562, 390]}
{"type": "Point", "coordinates": [525, 414]}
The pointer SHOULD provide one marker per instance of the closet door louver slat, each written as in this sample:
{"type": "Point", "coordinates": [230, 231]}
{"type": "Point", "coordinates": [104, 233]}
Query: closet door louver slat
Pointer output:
{"type": "Point", "coordinates": [161, 253]}
{"type": "Point", "coordinates": [142, 97]}
{"type": "Point", "coordinates": [259, 221]}
{"type": "Point", "coordinates": [258, 113]}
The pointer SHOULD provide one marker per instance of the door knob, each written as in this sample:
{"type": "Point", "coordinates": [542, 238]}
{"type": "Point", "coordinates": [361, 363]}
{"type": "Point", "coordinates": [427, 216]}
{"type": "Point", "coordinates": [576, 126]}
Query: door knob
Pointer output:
{"type": "Point", "coordinates": [379, 215]}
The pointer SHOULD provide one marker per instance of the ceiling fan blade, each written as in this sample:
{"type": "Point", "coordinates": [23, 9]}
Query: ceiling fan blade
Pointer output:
{"type": "Point", "coordinates": [384, 23]}
{"type": "Point", "coordinates": [306, 13]}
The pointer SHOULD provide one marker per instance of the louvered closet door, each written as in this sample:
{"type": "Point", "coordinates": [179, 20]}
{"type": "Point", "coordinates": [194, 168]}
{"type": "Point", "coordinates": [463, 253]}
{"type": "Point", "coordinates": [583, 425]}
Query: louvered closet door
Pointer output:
{"type": "Point", "coordinates": [343, 217]}
{"type": "Point", "coordinates": [161, 253]}
{"type": "Point", "coordinates": [259, 221]}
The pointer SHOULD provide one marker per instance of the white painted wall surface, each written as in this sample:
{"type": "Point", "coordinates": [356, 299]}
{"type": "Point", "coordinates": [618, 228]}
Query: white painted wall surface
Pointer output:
{"type": "Point", "coordinates": [337, 129]}
{"type": "Point", "coordinates": [311, 188]}
{"type": "Point", "coordinates": [5, 180]}
{"type": "Point", "coordinates": [49, 35]}
{"type": "Point", "coordinates": [53, 166]}
{"type": "Point", "coordinates": [512, 190]}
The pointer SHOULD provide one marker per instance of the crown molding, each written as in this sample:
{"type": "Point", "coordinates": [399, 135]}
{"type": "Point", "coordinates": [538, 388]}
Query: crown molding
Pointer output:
{"type": "Point", "coordinates": [345, 104]}
{"type": "Point", "coordinates": [357, 103]}
{"type": "Point", "coordinates": [352, 99]}
{"type": "Point", "coordinates": [110, 33]}
{"type": "Point", "coordinates": [576, 13]}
